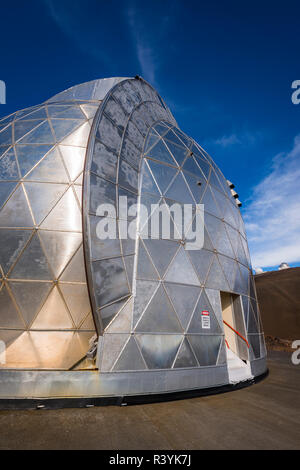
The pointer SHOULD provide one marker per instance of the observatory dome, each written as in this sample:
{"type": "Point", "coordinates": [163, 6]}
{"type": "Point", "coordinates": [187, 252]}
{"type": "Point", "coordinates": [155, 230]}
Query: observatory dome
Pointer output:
{"type": "Point", "coordinates": [81, 315]}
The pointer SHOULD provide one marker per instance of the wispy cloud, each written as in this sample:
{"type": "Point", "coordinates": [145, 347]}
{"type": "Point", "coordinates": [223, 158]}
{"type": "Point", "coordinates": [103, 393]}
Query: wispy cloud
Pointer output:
{"type": "Point", "coordinates": [228, 140]}
{"type": "Point", "coordinates": [149, 34]}
{"type": "Point", "coordinates": [272, 215]}
{"type": "Point", "coordinates": [145, 51]}
{"type": "Point", "coordinates": [245, 138]}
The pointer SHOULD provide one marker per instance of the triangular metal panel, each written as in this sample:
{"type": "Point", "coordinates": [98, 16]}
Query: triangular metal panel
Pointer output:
{"type": "Point", "coordinates": [74, 158]}
{"type": "Point", "coordinates": [108, 313]}
{"type": "Point", "coordinates": [43, 197]}
{"type": "Point", "coordinates": [159, 316]}
{"type": "Point", "coordinates": [195, 325]}
{"type": "Point", "coordinates": [255, 345]}
{"type": "Point", "coordinates": [88, 323]}
{"type": "Point", "coordinates": [191, 165]}
{"type": "Point", "coordinates": [263, 351]}
{"type": "Point", "coordinates": [9, 317]}
{"type": "Point", "coordinates": [233, 236]}
{"type": "Point", "coordinates": [29, 155]}
{"type": "Point", "coordinates": [14, 242]}
{"type": "Point", "coordinates": [179, 191]}
{"type": "Point", "coordinates": [184, 138]}
{"type": "Point", "coordinates": [242, 283]}
{"type": "Point", "coordinates": [161, 253]}
{"type": "Point", "coordinates": [215, 228]}
{"type": "Point", "coordinates": [29, 297]}
{"type": "Point", "coordinates": [222, 356]}
{"type": "Point", "coordinates": [77, 299]}
{"type": "Point", "coordinates": [89, 110]}
{"type": "Point", "coordinates": [230, 216]}
{"type": "Point", "coordinates": [252, 289]}
{"type": "Point", "coordinates": [245, 303]}
{"type": "Point", "coordinates": [230, 270]}
{"type": "Point", "coordinates": [201, 260]}
{"type": "Point", "coordinates": [130, 358]}
{"type": "Point", "coordinates": [121, 323]}
{"type": "Point", "coordinates": [129, 266]}
{"type": "Point", "coordinates": [223, 245]}
{"type": "Point", "coordinates": [64, 127]}
{"type": "Point", "coordinates": [16, 212]}
{"type": "Point", "coordinates": [184, 300]}
{"type": "Point", "coordinates": [75, 271]}
{"type": "Point", "coordinates": [50, 169]}
{"type": "Point", "coordinates": [39, 113]}
{"type": "Point", "coordinates": [6, 136]}
{"type": "Point", "coordinates": [207, 241]}
{"type": "Point", "coordinates": [144, 291]}
{"type": "Point", "coordinates": [109, 280]}
{"type": "Point", "coordinates": [181, 270]}
{"type": "Point", "coordinates": [6, 189]}
{"type": "Point", "coordinates": [3, 148]}
{"type": "Point", "coordinates": [206, 348]}
{"type": "Point", "coordinates": [205, 167]}
{"type": "Point", "coordinates": [40, 135]}
{"type": "Point", "coordinates": [161, 153]}
{"type": "Point", "coordinates": [79, 137]}
{"type": "Point", "coordinates": [246, 250]}
{"type": "Point", "coordinates": [163, 174]}
{"type": "Point", "coordinates": [152, 139]}
{"type": "Point", "coordinates": [214, 180]}
{"type": "Point", "coordinates": [171, 136]}
{"type": "Point", "coordinates": [145, 267]}
{"type": "Point", "coordinates": [185, 356]}
{"type": "Point", "coordinates": [148, 183]}
{"type": "Point", "coordinates": [8, 167]}
{"type": "Point", "coordinates": [222, 202]}
{"type": "Point", "coordinates": [159, 351]}
{"type": "Point", "coordinates": [65, 112]}
{"type": "Point", "coordinates": [66, 215]}
{"type": "Point", "coordinates": [241, 256]}
{"type": "Point", "coordinates": [33, 263]}
{"type": "Point", "coordinates": [252, 323]}
{"type": "Point", "coordinates": [216, 278]}
{"type": "Point", "coordinates": [112, 346]}
{"type": "Point", "coordinates": [101, 192]}
{"type": "Point", "coordinates": [178, 153]}
{"type": "Point", "coordinates": [215, 301]}
{"type": "Point", "coordinates": [196, 185]}
{"type": "Point", "coordinates": [9, 336]}
{"type": "Point", "coordinates": [53, 315]}
{"type": "Point", "coordinates": [21, 128]}
{"type": "Point", "coordinates": [210, 204]}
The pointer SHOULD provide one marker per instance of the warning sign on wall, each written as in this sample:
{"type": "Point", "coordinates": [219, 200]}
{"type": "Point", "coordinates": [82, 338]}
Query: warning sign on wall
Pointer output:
{"type": "Point", "coordinates": [205, 319]}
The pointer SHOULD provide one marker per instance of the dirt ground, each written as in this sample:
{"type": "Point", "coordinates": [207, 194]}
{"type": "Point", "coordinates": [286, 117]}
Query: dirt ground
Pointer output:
{"type": "Point", "coordinates": [263, 416]}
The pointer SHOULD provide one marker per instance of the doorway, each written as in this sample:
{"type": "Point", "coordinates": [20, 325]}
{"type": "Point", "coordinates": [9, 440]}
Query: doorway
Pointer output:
{"type": "Point", "coordinates": [237, 346]}
{"type": "Point", "coordinates": [234, 325]}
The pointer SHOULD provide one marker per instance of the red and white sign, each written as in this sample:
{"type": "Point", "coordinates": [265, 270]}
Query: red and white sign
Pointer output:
{"type": "Point", "coordinates": [205, 319]}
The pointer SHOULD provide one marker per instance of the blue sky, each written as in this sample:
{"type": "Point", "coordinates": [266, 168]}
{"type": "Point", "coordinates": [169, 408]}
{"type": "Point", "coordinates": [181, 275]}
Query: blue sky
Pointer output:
{"type": "Point", "coordinates": [224, 68]}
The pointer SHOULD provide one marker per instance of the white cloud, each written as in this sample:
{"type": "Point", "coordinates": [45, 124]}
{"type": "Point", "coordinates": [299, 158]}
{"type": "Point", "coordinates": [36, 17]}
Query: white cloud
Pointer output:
{"type": "Point", "coordinates": [272, 216]}
{"type": "Point", "coordinates": [245, 138]}
{"type": "Point", "coordinates": [259, 270]}
{"type": "Point", "coordinates": [151, 38]}
{"type": "Point", "coordinates": [145, 52]}
{"type": "Point", "coordinates": [225, 141]}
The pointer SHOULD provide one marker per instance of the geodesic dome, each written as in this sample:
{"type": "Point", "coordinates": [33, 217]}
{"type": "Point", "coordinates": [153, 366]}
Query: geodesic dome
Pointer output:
{"type": "Point", "coordinates": [144, 299]}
